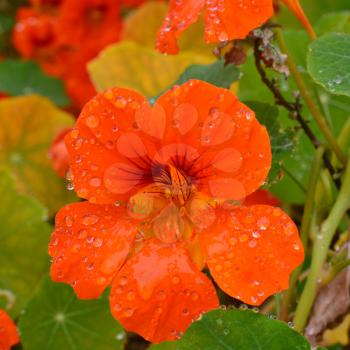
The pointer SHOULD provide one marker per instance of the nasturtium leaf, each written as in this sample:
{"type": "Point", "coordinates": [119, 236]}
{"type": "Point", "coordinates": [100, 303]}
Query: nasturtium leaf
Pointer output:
{"type": "Point", "coordinates": [6, 23]}
{"type": "Point", "coordinates": [138, 67]}
{"type": "Point", "coordinates": [149, 16]}
{"type": "Point", "coordinates": [26, 77]}
{"type": "Point", "coordinates": [216, 73]}
{"type": "Point", "coordinates": [55, 319]}
{"type": "Point", "coordinates": [328, 62]}
{"type": "Point", "coordinates": [283, 139]}
{"type": "Point", "coordinates": [28, 125]}
{"type": "Point", "coordinates": [237, 330]}
{"type": "Point", "coordinates": [334, 22]}
{"type": "Point", "coordinates": [24, 237]}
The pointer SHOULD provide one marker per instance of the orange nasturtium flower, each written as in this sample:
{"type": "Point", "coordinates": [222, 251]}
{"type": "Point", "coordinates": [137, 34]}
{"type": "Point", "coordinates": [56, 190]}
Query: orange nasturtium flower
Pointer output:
{"type": "Point", "coordinates": [162, 185]}
{"type": "Point", "coordinates": [8, 332]}
{"type": "Point", "coordinates": [224, 19]}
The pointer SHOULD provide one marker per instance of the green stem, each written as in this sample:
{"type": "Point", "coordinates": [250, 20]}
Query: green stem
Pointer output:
{"type": "Point", "coordinates": [305, 228]}
{"type": "Point", "coordinates": [310, 197]}
{"type": "Point", "coordinates": [320, 249]}
{"type": "Point", "coordinates": [317, 115]}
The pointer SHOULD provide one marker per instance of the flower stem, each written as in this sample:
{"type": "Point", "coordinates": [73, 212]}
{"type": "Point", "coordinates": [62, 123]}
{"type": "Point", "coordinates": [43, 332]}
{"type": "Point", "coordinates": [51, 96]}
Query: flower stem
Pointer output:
{"type": "Point", "coordinates": [317, 115]}
{"type": "Point", "coordinates": [320, 249]}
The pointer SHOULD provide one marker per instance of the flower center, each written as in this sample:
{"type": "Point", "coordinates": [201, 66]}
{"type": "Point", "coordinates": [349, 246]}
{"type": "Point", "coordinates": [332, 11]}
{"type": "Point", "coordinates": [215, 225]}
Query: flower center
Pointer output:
{"type": "Point", "coordinates": [177, 185]}
{"type": "Point", "coordinates": [164, 204]}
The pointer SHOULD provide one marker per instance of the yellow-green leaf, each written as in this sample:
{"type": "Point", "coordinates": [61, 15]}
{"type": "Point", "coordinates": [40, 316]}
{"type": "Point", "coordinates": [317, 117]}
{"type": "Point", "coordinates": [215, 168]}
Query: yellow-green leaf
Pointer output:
{"type": "Point", "coordinates": [131, 65]}
{"type": "Point", "coordinates": [24, 237]}
{"type": "Point", "coordinates": [28, 126]}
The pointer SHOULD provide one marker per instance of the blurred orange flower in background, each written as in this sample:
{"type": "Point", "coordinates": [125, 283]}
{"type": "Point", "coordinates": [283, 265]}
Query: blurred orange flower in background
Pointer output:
{"type": "Point", "coordinates": [224, 19]}
{"type": "Point", "coordinates": [163, 185]}
{"type": "Point", "coordinates": [63, 36]}
{"type": "Point", "coordinates": [8, 332]}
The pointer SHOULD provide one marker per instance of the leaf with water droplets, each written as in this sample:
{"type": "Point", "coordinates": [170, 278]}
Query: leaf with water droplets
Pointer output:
{"type": "Point", "coordinates": [237, 330]}
{"type": "Point", "coordinates": [329, 62]}
{"type": "Point", "coordinates": [28, 126]}
{"type": "Point", "coordinates": [55, 319]}
{"type": "Point", "coordinates": [23, 231]}
{"type": "Point", "coordinates": [149, 72]}
{"type": "Point", "coordinates": [26, 77]}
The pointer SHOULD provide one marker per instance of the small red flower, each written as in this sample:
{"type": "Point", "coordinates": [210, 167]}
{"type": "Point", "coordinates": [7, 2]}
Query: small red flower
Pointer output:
{"type": "Point", "coordinates": [63, 36]}
{"type": "Point", "coordinates": [93, 23]}
{"type": "Point", "coordinates": [224, 19]}
{"type": "Point", "coordinates": [162, 185]}
{"type": "Point", "coordinates": [34, 34]}
{"type": "Point", "coordinates": [8, 332]}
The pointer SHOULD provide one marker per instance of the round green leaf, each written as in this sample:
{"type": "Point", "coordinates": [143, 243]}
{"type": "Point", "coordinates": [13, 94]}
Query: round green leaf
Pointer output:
{"type": "Point", "coordinates": [334, 22]}
{"type": "Point", "coordinates": [28, 125]}
{"type": "Point", "coordinates": [56, 320]}
{"type": "Point", "coordinates": [328, 62]}
{"type": "Point", "coordinates": [237, 330]}
{"type": "Point", "coordinates": [23, 233]}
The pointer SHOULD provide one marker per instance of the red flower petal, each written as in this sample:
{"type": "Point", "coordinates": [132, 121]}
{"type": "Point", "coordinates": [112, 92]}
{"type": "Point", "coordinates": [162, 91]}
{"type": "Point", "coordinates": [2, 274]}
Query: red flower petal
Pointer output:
{"type": "Point", "coordinates": [224, 20]}
{"type": "Point", "coordinates": [8, 332]}
{"type": "Point", "coordinates": [262, 197]}
{"type": "Point", "coordinates": [234, 19]}
{"type": "Point", "coordinates": [232, 148]}
{"type": "Point", "coordinates": [107, 146]}
{"type": "Point", "coordinates": [251, 251]}
{"type": "Point", "coordinates": [181, 14]}
{"type": "Point", "coordinates": [89, 245]}
{"type": "Point", "coordinates": [159, 292]}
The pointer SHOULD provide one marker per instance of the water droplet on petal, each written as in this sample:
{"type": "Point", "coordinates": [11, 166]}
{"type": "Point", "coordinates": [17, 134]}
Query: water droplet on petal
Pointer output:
{"type": "Point", "coordinates": [69, 221]}
{"type": "Point", "coordinates": [89, 220]}
{"type": "Point", "coordinates": [92, 121]}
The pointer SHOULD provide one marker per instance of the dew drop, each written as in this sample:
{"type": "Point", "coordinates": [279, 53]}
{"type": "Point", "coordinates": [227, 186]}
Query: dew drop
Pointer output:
{"type": "Point", "coordinates": [185, 312]}
{"type": "Point", "coordinates": [176, 279]}
{"type": "Point", "coordinates": [131, 295]}
{"type": "Point", "coordinates": [89, 220]}
{"type": "Point", "coordinates": [82, 234]}
{"type": "Point", "coordinates": [92, 121]}
{"type": "Point", "coordinates": [194, 296]}
{"type": "Point", "coordinates": [252, 243]}
{"type": "Point", "coordinates": [128, 312]}
{"type": "Point", "coordinates": [95, 182]}
{"type": "Point", "coordinates": [123, 280]}
{"type": "Point", "coordinates": [223, 36]}
{"type": "Point", "coordinates": [226, 331]}
{"type": "Point", "coordinates": [98, 242]}
{"type": "Point", "coordinates": [219, 321]}
{"type": "Point", "coordinates": [90, 266]}
{"type": "Point", "coordinates": [120, 336]}
{"type": "Point", "coordinates": [263, 223]}
{"type": "Point", "coordinates": [69, 221]}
